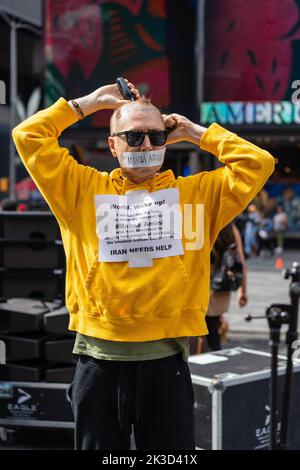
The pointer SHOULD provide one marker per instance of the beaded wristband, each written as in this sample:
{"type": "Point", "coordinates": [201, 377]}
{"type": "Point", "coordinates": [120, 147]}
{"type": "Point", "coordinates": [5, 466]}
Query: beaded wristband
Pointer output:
{"type": "Point", "coordinates": [78, 108]}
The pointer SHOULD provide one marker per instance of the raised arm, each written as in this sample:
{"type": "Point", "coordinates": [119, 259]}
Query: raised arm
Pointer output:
{"type": "Point", "coordinates": [228, 190]}
{"type": "Point", "coordinates": [242, 297]}
{"type": "Point", "coordinates": [62, 181]}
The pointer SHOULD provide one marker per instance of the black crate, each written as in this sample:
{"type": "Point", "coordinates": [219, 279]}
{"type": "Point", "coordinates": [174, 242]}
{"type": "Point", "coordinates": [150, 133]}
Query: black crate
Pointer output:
{"type": "Point", "coordinates": [32, 283]}
{"type": "Point", "coordinates": [23, 225]}
{"type": "Point", "coordinates": [58, 322]}
{"type": "Point", "coordinates": [28, 371]}
{"type": "Point", "coordinates": [30, 239]}
{"type": "Point", "coordinates": [20, 315]}
{"type": "Point", "coordinates": [35, 404]}
{"type": "Point", "coordinates": [231, 389]}
{"type": "Point", "coordinates": [60, 350]}
{"type": "Point", "coordinates": [19, 348]}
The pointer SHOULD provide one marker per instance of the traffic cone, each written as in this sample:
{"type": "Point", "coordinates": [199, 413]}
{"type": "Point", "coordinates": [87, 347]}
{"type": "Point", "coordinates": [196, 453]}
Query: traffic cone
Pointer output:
{"type": "Point", "coordinates": [279, 263]}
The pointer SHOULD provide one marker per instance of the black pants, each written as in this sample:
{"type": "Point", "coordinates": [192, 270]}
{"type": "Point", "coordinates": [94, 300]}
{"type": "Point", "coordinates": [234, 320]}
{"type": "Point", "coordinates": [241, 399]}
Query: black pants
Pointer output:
{"type": "Point", "coordinates": [213, 338]}
{"type": "Point", "coordinates": [156, 396]}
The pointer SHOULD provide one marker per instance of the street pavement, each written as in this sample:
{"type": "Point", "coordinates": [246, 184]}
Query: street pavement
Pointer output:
{"type": "Point", "coordinates": [265, 286]}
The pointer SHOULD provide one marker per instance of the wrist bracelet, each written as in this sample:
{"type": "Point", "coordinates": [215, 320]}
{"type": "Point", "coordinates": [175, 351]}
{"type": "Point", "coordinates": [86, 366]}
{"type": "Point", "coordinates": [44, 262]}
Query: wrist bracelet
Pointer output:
{"type": "Point", "coordinates": [78, 108]}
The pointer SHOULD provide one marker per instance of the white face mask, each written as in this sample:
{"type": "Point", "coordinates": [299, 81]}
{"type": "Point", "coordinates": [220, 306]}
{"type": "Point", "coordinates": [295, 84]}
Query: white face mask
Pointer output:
{"type": "Point", "coordinates": [142, 159]}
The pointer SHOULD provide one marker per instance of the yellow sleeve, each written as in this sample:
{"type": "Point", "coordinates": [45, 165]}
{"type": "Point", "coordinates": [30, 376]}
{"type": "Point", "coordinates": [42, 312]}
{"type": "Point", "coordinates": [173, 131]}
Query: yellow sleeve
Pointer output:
{"type": "Point", "coordinates": [62, 181]}
{"type": "Point", "coordinates": [229, 189]}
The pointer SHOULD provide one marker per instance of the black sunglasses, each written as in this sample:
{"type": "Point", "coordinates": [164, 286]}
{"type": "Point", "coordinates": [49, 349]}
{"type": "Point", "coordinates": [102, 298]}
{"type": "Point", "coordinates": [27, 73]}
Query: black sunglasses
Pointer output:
{"type": "Point", "coordinates": [136, 138]}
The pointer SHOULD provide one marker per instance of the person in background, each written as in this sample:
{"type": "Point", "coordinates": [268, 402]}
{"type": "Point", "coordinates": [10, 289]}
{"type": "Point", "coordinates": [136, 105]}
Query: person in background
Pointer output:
{"type": "Point", "coordinates": [251, 230]}
{"type": "Point", "coordinates": [280, 223]}
{"type": "Point", "coordinates": [291, 206]}
{"type": "Point", "coordinates": [262, 200]}
{"type": "Point", "coordinates": [240, 222]}
{"type": "Point", "coordinates": [265, 235]}
{"type": "Point", "coordinates": [220, 300]}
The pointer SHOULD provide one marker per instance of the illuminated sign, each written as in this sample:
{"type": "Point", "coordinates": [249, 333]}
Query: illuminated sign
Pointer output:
{"type": "Point", "coordinates": [239, 112]}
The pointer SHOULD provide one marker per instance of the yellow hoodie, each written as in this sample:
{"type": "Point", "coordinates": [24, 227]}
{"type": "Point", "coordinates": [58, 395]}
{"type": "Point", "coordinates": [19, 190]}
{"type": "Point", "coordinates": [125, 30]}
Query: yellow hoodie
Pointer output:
{"type": "Point", "coordinates": [111, 300]}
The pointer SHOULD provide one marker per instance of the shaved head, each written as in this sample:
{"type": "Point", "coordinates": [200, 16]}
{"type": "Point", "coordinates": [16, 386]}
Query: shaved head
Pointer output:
{"type": "Point", "coordinates": [139, 115]}
{"type": "Point", "coordinates": [142, 105]}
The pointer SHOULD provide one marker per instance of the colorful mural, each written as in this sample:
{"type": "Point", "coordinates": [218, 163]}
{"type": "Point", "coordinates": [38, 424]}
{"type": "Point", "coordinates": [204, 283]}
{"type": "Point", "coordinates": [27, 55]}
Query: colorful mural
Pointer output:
{"type": "Point", "coordinates": [90, 43]}
{"type": "Point", "coordinates": [252, 50]}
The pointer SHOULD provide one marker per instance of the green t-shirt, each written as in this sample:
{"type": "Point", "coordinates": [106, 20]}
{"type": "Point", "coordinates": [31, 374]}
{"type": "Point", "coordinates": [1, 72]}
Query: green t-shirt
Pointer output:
{"type": "Point", "coordinates": [130, 351]}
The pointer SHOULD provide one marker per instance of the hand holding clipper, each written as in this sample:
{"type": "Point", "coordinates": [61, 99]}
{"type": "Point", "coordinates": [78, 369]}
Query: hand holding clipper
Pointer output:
{"type": "Point", "coordinates": [125, 90]}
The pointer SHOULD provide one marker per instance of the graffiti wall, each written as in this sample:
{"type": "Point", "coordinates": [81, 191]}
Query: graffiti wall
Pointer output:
{"type": "Point", "coordinates": [90, 43]}
{"type": "Point", "coordinates": [252, 55]}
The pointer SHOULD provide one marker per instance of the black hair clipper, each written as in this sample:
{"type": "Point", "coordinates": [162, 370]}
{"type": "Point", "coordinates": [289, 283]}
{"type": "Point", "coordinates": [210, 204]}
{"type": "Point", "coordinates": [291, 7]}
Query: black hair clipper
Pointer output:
{"type": "Point", "coordinates": [124, 89]}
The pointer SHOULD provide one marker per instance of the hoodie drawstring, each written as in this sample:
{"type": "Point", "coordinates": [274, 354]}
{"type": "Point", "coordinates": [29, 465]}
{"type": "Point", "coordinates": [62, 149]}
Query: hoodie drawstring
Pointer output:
{"type": "Point", "coordinates": [124, 184]}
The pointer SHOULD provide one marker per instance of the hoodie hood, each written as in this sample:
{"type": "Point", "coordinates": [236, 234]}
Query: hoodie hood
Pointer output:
{"type": "Point", "coordinates": [165, 179]}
